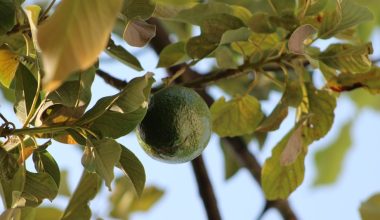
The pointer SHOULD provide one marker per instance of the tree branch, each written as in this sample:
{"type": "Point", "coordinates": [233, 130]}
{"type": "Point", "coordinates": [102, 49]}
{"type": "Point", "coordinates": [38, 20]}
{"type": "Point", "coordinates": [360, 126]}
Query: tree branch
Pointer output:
{"type": "Point", "coordinates": [205, 188]}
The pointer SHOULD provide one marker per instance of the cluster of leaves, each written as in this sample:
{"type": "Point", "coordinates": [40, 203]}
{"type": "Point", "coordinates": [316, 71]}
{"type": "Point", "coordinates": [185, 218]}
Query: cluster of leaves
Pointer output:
{"type": "Point", "coordinates": [48, 63]}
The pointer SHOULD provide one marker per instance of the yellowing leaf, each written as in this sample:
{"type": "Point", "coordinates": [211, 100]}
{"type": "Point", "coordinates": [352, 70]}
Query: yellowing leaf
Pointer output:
{"type": "Point", "coordinates": [279, 180]}
{"type": "Point", "coordinates": [347, 58]}
{"type": "Point", "coordinates": [73, 37]}
{"type": "Point", "coordinates": [237, 117]}
{"type": "Point", "coordinates": [329, 160]}
{"type": "Point", "coordinates": [138, 33]}
{"type": "Point", "coordinates": [370, 209]}
{"type": "Point", "coordinates": [8, 66]}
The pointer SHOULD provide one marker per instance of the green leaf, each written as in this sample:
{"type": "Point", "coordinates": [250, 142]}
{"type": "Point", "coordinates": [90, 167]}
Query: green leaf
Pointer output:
{"type": "Point", "coordinates": [280, 179]}
{"type": "Point", "coordinates": [150, 196]}
{"type": "Point", "coordinates": [314, 6]}
{"type": "Point", "coordinates": [318, 106]}
{"type": "Point", "coordinates": [329, 160]}
{"type": "Point", "coordinates": [64, 185]}
{"type": "Point", "coordinates": [204, 11]}
{"type": "Point", "coordinates": [370, 209]}
{"type": "Point", "coordinates": [44, 162]}
{"type": "Point", "coordinates": [117, 115]}
{"type": "Point", "coordinates": [347, 58]}
{"type": "Point", "coordinates": [48, 213]}
{"type": "Point", "coordinates": [121, 54]}
{"type": "Point", "coordinates": [236, 117]}
{"type": "Point", "coordinates": [141, 9]}
{"type": "Point", "coordinates": [281, 7]}
{"type": "Point", "coordinates": [231, 165]}
{"type": "Point", "coordinates": [39, 186]}
{"type": "Point", "coordinates": [260, 23]}
{"type": "Point", "coordinates": [133, 169]}
{"type": "Point", "coordinates": [8, 165]}
{"type": "Point", "coordinates": [86, 190]}
{"type": "Point", "coordinates": [8, 66]}
{"type": "Point", "coordinates": [212, 30]}
{"type": "Point", "coordinates": [124, 200]}
{"type": "Point", "coordinates": [292, 97]}
{"type": "Point", "coordinates": [7, 15]}
{"type": "Point", "coordinates": [199, 47]}
{"type": "Point", "coordinates": [8, 188]}
{"type": "Point", "coordinates": [346, 15]}
{"type": "Point", "coordinates": [73, 44]}
{"type": "Point", "coordinates": [240, 34]}
{"type": "Point", "coordinates": [101, 156]}
{"type": "Point", "coordinates": [173, 54]}
{"type": "Point", "coordinates": [138, 33]}
{"type": "Point", "coordinates": [25, 90]}
{"type": "Point", "coordinates": [225, 58]}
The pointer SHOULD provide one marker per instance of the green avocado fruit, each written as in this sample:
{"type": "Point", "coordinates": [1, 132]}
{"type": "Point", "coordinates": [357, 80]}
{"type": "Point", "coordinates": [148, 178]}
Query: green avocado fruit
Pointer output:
{"type": "Point", "coordinates": [177, 125]}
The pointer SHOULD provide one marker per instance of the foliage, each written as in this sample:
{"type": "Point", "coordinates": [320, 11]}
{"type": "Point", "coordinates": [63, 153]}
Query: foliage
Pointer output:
{"type": "Point", "coordinates": [50, 54]}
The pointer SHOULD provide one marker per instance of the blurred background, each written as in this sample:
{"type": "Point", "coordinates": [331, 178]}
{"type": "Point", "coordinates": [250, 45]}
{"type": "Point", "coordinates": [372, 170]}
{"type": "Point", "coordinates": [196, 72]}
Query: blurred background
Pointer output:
{"type": "Point", "coordinates": [352, 149]}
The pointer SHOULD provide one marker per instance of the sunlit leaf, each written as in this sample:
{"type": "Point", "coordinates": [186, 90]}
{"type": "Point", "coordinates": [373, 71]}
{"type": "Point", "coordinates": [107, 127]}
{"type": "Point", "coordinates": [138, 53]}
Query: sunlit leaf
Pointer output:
{"type": "Point", "coordinates": [314, 6]}
{"type": "Point", "coordinates": [329, 160]}
{"type": "Point", "coordinates": [8, 66]}
{"type": "Point", "coordinates": [133, 169]}
{"type": "Point", "coordinates": [347, 14]}
{"type": "Point", "coordinates": [74, 43]}
{"type": "Point", "coordinates": [86, 190]}
{"type": "Point", "coordinates": [138, 33]}
{"type": "Point", "coordinates": [370, 209]}
{"type": "Point", "coordinates": [33, 13]}
{"type": "Point", "coordinates": [236, 117]}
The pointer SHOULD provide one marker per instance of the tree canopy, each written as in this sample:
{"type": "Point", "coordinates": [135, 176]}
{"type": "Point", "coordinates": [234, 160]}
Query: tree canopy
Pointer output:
{"type": "Point", "coordinates": [50, 55]}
